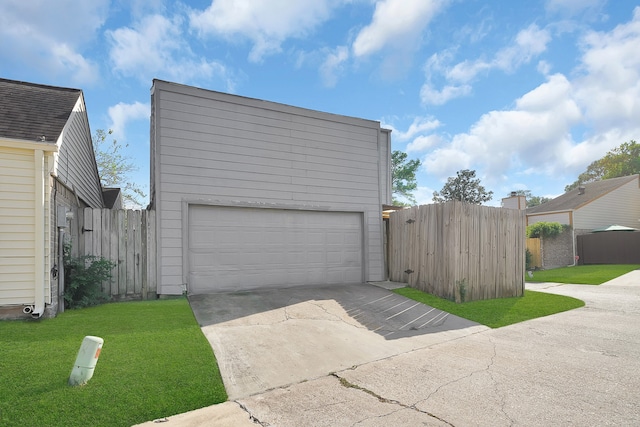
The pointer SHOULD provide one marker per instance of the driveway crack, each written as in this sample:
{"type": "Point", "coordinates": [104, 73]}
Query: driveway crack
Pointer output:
{"type": "Point", "coordinates": [251, 416]}
{"type": "Point", "coordinates": [503, 400]}
{"type": "Point", "coordinates": [346, 383]}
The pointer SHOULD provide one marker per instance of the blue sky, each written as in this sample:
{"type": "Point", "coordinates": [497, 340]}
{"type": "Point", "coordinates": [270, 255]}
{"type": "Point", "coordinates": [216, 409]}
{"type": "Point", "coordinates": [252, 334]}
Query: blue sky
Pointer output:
{"type": "Point", "coordinates": [525, 93]}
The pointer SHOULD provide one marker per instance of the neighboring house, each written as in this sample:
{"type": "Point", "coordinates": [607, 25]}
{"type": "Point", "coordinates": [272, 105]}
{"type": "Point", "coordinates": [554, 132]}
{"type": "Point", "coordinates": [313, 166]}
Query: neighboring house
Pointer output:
{"type": "Point", "coordinates": [593, 205]}
{"type": "Point", "coordinates": [46, 161]}
{"type": "Point", "coordinates": [251, 193]}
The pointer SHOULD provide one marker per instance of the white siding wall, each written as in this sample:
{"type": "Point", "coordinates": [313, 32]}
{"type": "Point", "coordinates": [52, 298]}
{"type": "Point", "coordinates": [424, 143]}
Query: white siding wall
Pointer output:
{"type": "Point", "coordinates": [76, 164]}
{"type": "Point", "coordinates": [561, 217]}
{"type": "Point", "coordinates": [17, 226]}
{"type": "Point", "coordinates": [621, 206]}
{"type": "Point", "coordinates": [228, 150]}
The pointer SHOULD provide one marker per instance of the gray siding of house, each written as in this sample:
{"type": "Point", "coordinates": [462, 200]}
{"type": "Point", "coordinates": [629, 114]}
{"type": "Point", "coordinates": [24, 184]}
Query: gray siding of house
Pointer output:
{"type": "Point", "coordinates": [76, 164]}
{"type": "Point", "coordinates": [214, 148]}
{"type": "Point", "coordinates": [561, 217]}
{"type": "Point", "coordinates": [621, 206]}
{"type": "Point", "coordinates": [385, 166]}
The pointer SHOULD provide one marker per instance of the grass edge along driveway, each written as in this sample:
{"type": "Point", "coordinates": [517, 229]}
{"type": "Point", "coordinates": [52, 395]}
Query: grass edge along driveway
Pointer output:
{"type": "Point", "coordinates": [155, 362]}
{"type": "Point", "coordinates": [593, 274]}
{"type": "Point", "coordinates": [496, 313]}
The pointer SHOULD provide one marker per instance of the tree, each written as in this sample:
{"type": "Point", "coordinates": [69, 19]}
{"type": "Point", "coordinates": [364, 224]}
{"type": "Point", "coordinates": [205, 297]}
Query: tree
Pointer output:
{"type": "Point", "coordinates": [465, 187]}
{"type": "Point", "coordinates": [403, 177]}
{"type": "Point", "coordinates": [531, 199]}
{"type": "Point", "coordinates": [621, 161]}
{"type": "Point", "coordinates": [114, 168]}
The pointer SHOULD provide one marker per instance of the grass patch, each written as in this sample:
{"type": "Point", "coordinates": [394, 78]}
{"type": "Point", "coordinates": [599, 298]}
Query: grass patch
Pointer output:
{"type": "Point", "coordinates": [496, 313]}
{"type": "Point", "coordinates": [155, 362]}
{"type": "Point", "coordinates": [583, 274]}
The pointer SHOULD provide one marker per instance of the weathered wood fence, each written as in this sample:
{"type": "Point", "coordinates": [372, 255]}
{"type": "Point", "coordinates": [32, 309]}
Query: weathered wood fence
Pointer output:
{"type": "Point", "coordinates": [459, 251]}
{"type": "Point", "coordinates": [535, 249]}
{"type": "Point", "coordinates": [125, 237]}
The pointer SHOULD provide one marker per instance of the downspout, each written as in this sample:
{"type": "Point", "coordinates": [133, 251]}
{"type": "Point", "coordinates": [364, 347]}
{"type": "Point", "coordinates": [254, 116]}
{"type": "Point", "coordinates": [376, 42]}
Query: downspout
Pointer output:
{"type": "Point", "coordinates": [38, 308]}
{"type": "Point", "coordinates": [573, 239]}
{"type": "Point", "coordinates": [60, 269]}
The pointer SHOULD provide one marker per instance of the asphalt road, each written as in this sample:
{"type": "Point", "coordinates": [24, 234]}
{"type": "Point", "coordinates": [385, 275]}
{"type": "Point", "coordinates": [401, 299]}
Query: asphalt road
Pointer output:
{"type": "Point", "coordinates": [579, 368]}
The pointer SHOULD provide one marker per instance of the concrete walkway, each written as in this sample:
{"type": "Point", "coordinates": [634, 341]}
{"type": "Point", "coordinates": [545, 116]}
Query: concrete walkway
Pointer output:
{"type": "Point", "coordinates": [574, 368]}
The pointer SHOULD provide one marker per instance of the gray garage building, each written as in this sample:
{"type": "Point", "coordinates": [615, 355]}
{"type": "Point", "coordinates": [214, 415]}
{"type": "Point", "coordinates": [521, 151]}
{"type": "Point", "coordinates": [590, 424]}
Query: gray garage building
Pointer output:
{"type": "Point", "coordinates": [251, 193]}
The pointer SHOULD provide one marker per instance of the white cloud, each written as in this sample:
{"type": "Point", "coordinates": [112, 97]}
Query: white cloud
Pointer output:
{"type": "Point", "coordinates": [33, 34]}
{"type": "Point", "coordinates": [80, 68]}
{"type": "Point", "coordinates": [266, 23]}
{"type": "Point", "coordinates": [535, 137]}
{"type": "Point", "coordinates": [609, 87]}
{"type": "Point", "coordinates": [536, 131]}
{"type": "Point", "coordinates": [423, 142]}
{"type": "Point", "coordinates": [444, 162]}
{"type": "Point", "coordinates": [423, 195]}
{"type": "Point", "coordinates": [544, 67]}
{"type": "Point", "coordinates": [528, 43]}
{"type": "Point", "coordinates": [121, 114]}
{"type": "Point", "coordinates": [573, 7]}
{"type": "Point", "coordinates": [419, 125]}
{"type": "Point", "coordinates": [156, 47]}
{"type": "Point", "coordinates": [396, 24]}
{"type": "Point", "coordinates": [431, 96]}
{"type": "Point", "coordinates": [333, 65]}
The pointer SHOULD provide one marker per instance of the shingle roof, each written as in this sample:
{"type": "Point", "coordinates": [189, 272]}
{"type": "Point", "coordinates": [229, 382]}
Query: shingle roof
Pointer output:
{"type": "Point", "coordinates": [573, 199]}
{"type": "Point", "coordinates": [29, 110]}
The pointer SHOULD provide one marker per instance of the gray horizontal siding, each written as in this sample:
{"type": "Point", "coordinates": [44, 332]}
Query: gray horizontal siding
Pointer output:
{"type": "Point", "coordinates": [224, 149]}
{"type": "Point", "coordinates": [76, 165]}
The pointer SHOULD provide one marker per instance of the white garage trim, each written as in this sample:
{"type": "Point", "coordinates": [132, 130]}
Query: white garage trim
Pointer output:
{"type": "Point", "coordinates": [239, 248]}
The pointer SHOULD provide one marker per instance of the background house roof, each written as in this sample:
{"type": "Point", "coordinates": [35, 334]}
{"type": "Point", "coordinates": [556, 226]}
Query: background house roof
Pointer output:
{"type": "Point", "coordinates": [29, 110]}
{"type": "Point", "coordinates": [573, 199]}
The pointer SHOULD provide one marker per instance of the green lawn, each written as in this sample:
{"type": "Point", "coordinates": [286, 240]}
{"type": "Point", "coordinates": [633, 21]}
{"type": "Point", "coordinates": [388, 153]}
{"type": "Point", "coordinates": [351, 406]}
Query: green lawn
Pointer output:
{"type": "Point", "coordinates": [496, 313]}
{"type": "Point", "coordinates": [155, 362]}
{"type": "Point", "coordinates": [583, 274]}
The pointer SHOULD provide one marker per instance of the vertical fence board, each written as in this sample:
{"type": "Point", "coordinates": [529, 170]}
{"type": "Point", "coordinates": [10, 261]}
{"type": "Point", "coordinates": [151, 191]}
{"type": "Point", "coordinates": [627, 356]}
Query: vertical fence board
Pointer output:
{"type": "Point", "coordinates": [96, 232]}
{"type": "Point", "coordinates": [126, 238]}
{"type": "Point", "coordinates": [144, 250]}
{"type": "Point", "coordinates": [451, 244]}
{"type": "Point", "coordinates": [113, 250]}
{"type": "Point", "coordinates": [86, 234]}
{"type": "Point", "coordinates": [151, 255]}
{"type": "Point", "coordinates": [105, 244]}
{"type": "Point", "coordinates": [137, 243]}
{"type": "Point", "coordinates": [130, 252]}
{"type": "Point", "coordinates": [122, 252]}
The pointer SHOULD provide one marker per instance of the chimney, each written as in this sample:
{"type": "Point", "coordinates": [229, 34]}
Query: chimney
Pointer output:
{"type": "Point", "coordinates": [581, 190]}
{"type": "Point", "coordinates": [514, 194]}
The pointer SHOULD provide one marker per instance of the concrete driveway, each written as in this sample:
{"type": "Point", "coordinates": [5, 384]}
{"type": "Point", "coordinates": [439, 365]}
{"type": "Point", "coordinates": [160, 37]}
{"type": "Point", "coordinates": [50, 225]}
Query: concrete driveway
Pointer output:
{"type": "Point", "coordinates": [575, 368]}
{"type": "Point", "coordinates": [272, 338]}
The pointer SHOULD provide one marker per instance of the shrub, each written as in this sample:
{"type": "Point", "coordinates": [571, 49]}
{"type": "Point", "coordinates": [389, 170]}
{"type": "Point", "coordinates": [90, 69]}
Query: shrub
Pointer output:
{"type": "Point", "coordinates": [83, 277]}
{"type": "Point", "coordinates": [528, 258]}
{"type": "Point", "coordinates": [544, 229]}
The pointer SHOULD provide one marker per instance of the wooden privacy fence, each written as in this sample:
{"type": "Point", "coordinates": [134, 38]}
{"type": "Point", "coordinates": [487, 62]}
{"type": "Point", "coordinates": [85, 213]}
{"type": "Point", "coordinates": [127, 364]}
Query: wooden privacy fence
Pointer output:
{"type": "Point", "coordinates": [535, 249]}
{"type": "Point", "coordinates": [609, 247]}
{"type": "Point", "coordinates": [125, 237]}
{"type": "Point", "coordinates": [459, 251]}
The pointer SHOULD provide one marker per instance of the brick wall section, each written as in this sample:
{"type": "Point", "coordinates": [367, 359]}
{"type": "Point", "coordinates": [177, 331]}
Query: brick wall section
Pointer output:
{"type": "Point", "coordinates": [557, 251]}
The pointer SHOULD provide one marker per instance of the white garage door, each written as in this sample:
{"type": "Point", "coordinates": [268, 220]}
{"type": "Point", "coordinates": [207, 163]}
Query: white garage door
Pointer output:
{"type": "Point", "coordinates": [246, 248]}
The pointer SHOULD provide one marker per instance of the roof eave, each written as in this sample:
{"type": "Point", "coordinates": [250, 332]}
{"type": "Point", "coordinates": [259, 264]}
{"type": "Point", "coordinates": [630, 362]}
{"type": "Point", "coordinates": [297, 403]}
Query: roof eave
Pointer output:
{"type": "Point", "coordinates": [26, 144]}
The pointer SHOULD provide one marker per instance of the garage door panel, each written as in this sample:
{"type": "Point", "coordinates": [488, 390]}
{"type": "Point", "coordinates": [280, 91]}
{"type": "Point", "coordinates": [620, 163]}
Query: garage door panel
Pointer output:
{"type": "Point", "coordinates": [247, 248]}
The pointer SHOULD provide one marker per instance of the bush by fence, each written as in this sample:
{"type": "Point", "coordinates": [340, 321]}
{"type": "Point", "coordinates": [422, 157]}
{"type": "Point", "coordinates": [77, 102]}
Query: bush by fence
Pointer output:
{"type": "Point", "coordinates": [127, 239]}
